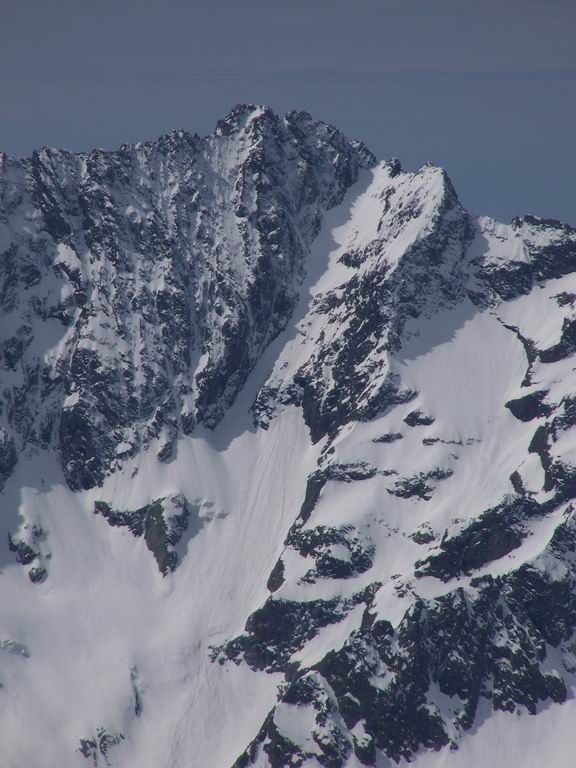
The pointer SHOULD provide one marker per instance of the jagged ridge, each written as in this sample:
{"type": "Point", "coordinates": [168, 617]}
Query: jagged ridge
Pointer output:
{"type": "Point", "coordinates": [429, 572]}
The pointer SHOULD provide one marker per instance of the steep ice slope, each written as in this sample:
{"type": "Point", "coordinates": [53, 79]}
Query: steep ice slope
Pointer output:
{"type": "Point", "coordinates": [273, 494]}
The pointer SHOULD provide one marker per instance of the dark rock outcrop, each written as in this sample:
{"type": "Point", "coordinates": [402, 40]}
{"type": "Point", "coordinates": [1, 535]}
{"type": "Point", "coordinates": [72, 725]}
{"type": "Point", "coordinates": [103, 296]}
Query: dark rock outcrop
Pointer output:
{"type": "Point", "coordinates": [162, 523]}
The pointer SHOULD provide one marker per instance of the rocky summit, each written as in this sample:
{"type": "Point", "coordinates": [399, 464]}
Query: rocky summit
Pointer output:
{"type": "Point", "coordinates": [287, 461]}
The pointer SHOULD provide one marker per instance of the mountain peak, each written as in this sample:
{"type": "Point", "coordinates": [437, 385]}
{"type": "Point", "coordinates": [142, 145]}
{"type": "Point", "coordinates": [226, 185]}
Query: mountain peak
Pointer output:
{"type": "Point", "coordinates": [270, 407]}
{"type": "Point", "coordinates": [242, 116]}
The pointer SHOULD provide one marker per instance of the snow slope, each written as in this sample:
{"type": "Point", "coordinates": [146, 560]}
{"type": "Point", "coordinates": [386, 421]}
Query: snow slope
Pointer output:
{"type": "Point", "coordinates": [106, 611]}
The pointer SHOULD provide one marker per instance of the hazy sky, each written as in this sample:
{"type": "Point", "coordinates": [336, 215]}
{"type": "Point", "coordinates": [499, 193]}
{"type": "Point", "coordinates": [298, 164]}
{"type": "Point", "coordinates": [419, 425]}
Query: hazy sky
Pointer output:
{"type": "Point", "coordinates": [486, 89]}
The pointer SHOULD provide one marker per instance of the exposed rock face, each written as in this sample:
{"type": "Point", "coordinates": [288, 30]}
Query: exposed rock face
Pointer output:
{"type": "Point", "coordinates": [398, 688]}
{"type": "Point", "coordinates": [378, 692]}
{"type": "Point", "coordinates": [160, 272]}
{"type": "Point", "coordinates": [493, 535]}
{"type": "Point", "coordinates": [357, 322]}
{"type": "Point", "coordinates": [530, 406]}
{"type": "Point", "coordinates": [8, 456]}
{"type": "Point", "coordinates": [98, 748]}
{"type": "Point", "coordinates": [416, 531]}
{"type": "Point", "coordinates": [162, 523]}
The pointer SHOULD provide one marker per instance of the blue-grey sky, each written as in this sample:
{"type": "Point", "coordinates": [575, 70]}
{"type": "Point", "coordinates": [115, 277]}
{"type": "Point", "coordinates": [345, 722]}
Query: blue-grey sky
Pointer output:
{"type": "Point", "coordinates": [486, 89]}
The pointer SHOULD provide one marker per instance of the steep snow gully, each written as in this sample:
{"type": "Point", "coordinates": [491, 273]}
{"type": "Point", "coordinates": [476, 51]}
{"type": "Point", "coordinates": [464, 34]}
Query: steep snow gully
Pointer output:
{"type": "Point", "coordinates": [287, 461]}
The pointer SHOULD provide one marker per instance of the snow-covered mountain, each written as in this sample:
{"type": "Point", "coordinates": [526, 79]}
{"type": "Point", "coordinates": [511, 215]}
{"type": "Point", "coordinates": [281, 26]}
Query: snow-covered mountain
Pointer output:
{"type": "Point", "coordinates": [287, 461]}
